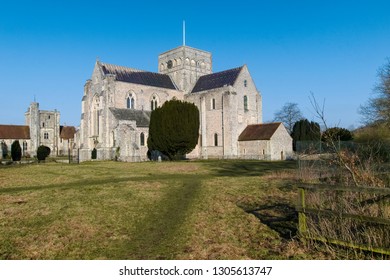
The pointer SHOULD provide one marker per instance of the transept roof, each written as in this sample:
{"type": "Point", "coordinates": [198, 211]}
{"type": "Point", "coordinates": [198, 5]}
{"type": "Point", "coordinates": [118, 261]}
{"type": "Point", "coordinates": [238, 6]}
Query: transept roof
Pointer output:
{"type": "Point", "coordinates": [217, 80]}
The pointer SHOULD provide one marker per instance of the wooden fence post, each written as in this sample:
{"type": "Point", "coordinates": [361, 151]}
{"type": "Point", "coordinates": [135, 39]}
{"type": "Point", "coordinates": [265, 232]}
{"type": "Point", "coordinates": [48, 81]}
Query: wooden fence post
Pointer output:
{"type": "Point", "coordinates": [302, 226]}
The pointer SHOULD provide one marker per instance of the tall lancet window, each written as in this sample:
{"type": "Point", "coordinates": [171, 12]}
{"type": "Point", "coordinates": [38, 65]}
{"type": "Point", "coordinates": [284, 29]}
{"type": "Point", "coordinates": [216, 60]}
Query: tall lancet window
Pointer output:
{"type": "Point", "coordinates": [245, 103]}
{"type": "Point", "coordinates": [142, 139]}
{"type": "Point", "coordinates": [153, 103]}
{"type": "Point", "coordinates": [130, 102]}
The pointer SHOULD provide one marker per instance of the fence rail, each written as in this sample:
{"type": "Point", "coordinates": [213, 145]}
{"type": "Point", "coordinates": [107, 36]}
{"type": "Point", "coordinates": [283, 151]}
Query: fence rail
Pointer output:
{"type": "Point", "coordinates": [339, 207]}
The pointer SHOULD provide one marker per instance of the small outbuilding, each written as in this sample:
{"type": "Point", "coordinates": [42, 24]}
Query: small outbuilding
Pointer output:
{"type": "Point", "coordinates": [268, 141]}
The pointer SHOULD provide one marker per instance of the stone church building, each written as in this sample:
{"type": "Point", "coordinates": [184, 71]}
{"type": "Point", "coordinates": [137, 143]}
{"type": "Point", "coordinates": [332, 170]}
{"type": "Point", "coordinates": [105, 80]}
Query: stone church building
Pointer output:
{"type": "Point", "coordinates": [118, 101]}
{"type": "Point", "coordinates": [42, 127]}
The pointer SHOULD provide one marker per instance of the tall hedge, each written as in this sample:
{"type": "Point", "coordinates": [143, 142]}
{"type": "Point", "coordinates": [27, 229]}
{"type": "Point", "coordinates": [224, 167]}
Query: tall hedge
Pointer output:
{"type": "Point", "coordinates": [174, 128]}
{"type": "Point", "coordinates": [304, 130]}
{"type": "Point", "coordinates": [16, 151]}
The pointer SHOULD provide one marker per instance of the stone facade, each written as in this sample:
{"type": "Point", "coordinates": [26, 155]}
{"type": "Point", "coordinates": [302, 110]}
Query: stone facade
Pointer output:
{"type": "Point", "coordinates": [118, 101]}
{"type": "Point", "coordinates": [41, 127]}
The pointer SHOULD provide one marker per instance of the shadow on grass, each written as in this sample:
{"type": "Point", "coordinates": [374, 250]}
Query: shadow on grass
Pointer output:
{"type": "Point", "coordinates": [160, 234]}
{"type": "Point", "coordinates": [280, 217]}
{"type": "Point", "coordinates": [237, 168]}
{"type": "Point", "coordinates": [98, 182]}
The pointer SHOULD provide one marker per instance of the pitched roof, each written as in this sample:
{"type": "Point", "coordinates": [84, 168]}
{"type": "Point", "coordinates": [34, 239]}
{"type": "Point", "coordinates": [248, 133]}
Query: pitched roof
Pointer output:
{"type": "Point", "coordinates": [217, 80]}
{"type": "Point", "coordinates": [130, 75]}
{"type": "Point", "coordinates": [142, 118]}
{"type": "Point", "coordinates": [67, 132]}
{"type": "Point", "coordinates": [259, 131]}
{"type": "Point", "coordinates": [14, 132]}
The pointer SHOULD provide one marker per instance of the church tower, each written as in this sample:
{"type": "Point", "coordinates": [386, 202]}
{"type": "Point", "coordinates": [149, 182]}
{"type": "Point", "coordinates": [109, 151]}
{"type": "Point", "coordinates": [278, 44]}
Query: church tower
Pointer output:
{"type": "Point", "coordinates": [185, 65]}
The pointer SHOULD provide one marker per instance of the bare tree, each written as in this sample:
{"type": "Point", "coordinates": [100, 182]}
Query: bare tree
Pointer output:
{"type": "Point", "coordinates": [377, 109]}
{"type": "Point", "coordinates": [289, 115]}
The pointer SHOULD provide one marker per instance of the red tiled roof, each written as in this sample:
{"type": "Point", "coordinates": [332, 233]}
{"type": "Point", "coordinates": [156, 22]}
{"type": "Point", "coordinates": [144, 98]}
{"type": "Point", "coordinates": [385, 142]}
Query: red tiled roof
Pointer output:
{"type": "Point", "coordinates": [67, 132]}
{"type": "Point", "coordinates": [259, 131]}
{"type": "Point", "coordinates": [14, 132]}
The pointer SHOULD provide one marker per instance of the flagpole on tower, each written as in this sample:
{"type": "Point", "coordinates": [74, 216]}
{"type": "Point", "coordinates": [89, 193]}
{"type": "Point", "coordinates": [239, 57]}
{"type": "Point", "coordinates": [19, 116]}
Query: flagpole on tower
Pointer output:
{"type": "Point", "coordinates": [184, 32]}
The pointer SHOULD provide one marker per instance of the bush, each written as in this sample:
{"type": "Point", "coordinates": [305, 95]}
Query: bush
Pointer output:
{"type": "Point", "coordinates": [336, 134]}
{"type": "Point", "coordinates": [16, 151]}
{"type": "Point", "coordinates": [43, 152]}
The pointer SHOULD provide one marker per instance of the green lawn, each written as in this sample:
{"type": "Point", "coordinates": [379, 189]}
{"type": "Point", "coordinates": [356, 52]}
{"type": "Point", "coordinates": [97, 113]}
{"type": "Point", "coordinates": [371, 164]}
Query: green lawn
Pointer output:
{"type": "Point", "coordinates": [168, 210]}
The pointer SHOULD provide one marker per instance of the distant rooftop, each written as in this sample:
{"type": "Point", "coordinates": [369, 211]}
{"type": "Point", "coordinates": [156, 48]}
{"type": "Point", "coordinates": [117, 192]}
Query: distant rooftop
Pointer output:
{"type": "Point", "coordinates": [14, 132]}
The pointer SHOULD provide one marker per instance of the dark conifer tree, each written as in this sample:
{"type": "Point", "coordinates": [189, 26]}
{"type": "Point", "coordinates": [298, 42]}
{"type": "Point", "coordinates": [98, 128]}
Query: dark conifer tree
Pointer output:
{"type": "Point", "coordinates": [174, 129]}
{"type": "Point", "coordinates": [304, 130]}
{"type": "Point", "coordinates": [16, 151]}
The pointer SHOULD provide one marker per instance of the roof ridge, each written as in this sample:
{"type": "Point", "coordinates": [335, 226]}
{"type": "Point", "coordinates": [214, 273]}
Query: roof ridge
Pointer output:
{"type": "Point", "coordinates": [120, 67]}
{"type": "Point", "coordinates": [132, 75]}
{"type": "Point", "coordinates": [227, 70]}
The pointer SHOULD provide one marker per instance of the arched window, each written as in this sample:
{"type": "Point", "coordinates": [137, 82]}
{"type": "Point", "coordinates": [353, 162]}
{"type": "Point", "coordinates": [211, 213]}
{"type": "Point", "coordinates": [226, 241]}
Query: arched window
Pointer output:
{"type": "Point", "coordinates": [46, 135]}
{"type": "Point", "coordinates": [215, 139]}
{"type": "Point", "coordinates": [245, 103]}
{"type": "Point", "coordinates": [213, 104]}
{"type": "Point", "coordinates": [153, 103]}
{"type": "Point", "coordinates": [130, 102]}
{"type": "Point", "coordinates": [245, 83]}
{"type": "Point", "coordinates": [142, 139]}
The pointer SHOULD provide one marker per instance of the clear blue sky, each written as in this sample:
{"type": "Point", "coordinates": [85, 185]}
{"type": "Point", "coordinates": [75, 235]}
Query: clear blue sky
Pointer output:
{"type": "Point", "coordinates": [331, 48]}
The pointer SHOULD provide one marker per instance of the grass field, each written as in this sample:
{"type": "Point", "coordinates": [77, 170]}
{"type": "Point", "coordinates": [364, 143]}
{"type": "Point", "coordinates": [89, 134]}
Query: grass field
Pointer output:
{"type": "Point", "coordinates": [169, 210]}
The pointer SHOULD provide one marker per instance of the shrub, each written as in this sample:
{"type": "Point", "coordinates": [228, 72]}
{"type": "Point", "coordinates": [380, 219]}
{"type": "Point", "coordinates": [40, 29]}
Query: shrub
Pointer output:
{"type": "Point", "coordinates": [43, 152]}
{"type": "Point", "coordinates": [16, 151]}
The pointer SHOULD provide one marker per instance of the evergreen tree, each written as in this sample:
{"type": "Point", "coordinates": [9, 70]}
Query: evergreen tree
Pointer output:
{"type": "Point", "coordinates": [304, 130]}
{"type": "Point", "coordinates": [16, 151]}
{"type": "Point", "coordinates": [174, 128]}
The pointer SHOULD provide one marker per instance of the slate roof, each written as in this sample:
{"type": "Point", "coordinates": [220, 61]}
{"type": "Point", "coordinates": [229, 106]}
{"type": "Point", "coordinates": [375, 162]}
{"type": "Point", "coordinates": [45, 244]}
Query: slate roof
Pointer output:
{"type": "Point", "coordinates": [14, 132]}
{"type": "Point", "coordinates": [217, 80]}
{"type": "Point", "coordinates": [134, 76]}
{"type": "Point", "coordinates": [142, 118]}
{"type": "Point", "coordinates": [259, 131]}
{"type": "Point", "coordinates": [67, 132]}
